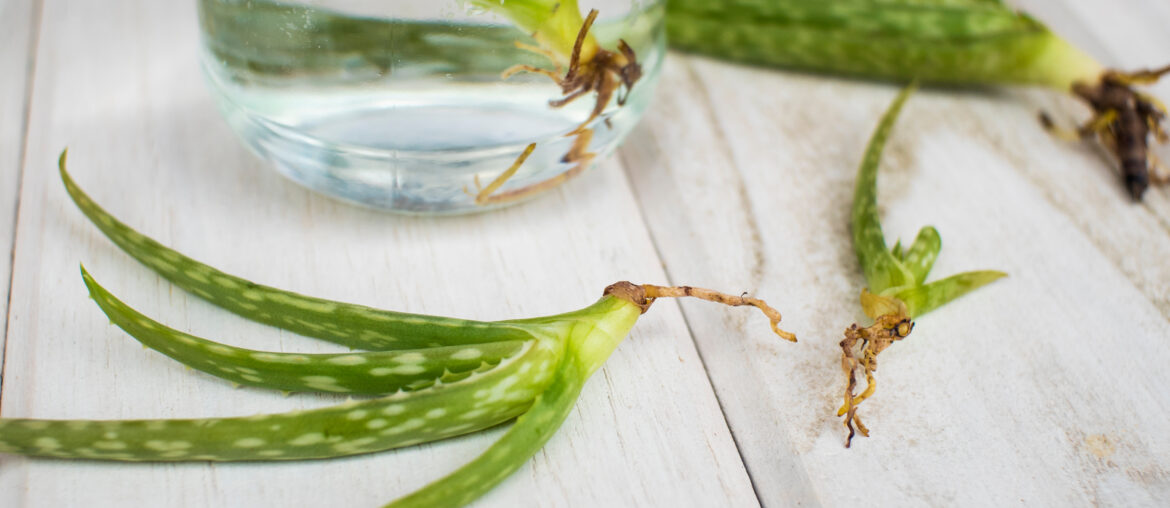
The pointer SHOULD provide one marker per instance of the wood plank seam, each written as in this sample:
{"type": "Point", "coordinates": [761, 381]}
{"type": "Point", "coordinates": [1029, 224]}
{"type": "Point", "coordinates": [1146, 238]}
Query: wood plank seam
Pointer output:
{"type": "Point", "coordinates": [690, 331]}
{"type": "Point", "coordinates": [34, 35]}
{"type": "Point", "coordinates": [1085, 229]}
{"type": "Point", "coordinates": [698, 350]}
{"type": "Point", "coordinates": [759, 260]}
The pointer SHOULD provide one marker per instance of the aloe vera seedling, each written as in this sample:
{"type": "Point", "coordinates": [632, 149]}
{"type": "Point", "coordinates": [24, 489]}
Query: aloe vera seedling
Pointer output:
{"type": "Point", "coordinates": [950, 42]}
{"type": "Point", "coordinates": [580, 66]}
{"type": "Point", "coordinates": [898, 291]}
{"type": "Point", "coordinates": [438, 377]}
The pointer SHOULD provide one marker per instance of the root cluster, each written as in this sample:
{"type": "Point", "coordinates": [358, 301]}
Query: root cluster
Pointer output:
{"type": "Point", "coordinates": [873, 340]}
{"type": "Point", "coordinates": [1124, 120]}
{"type": "Point", "coordinates": [605, 72]}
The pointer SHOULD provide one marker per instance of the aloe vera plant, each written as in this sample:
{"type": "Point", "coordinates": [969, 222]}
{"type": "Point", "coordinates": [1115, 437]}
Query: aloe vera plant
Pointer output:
{"type": "Point", "coordinates": [897, 289]}
{"type": "Point", "coordinates": [565, 38]}
{"type": "Point", "coordinates": [580, 66]}
{"type": "Point", "coordinates": [251, 38]}
{"type": "Point", "coordinates": [954, 42]}
{"type": "Point", "coordinates": [438, 377]}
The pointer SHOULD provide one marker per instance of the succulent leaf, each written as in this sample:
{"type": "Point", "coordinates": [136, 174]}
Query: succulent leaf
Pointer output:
{"type": "Point", "coordinates": [925, 298]}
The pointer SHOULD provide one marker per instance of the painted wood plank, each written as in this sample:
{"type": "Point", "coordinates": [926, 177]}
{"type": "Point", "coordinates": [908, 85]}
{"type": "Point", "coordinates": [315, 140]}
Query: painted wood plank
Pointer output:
{"type": "Point", "coordinates": [118, 83]}
{"type": "Point", "coordinates": [17, 30]}
{"type": "Point", "coordinates": [1040, 389]}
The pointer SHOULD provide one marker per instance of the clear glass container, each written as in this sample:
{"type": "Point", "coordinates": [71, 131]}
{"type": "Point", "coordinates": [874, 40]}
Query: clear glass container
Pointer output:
{"type": "Point", "coordinates": [424, 106]}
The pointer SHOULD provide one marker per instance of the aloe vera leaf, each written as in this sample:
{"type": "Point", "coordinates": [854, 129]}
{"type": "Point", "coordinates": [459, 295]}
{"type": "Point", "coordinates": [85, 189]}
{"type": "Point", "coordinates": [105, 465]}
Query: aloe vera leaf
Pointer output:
{"type": "Point", "coordinates": [897, 251]}
{"type": "Point", "coordinates": [554, 24]}
{"type": "Point", "coordinates": [354, 373]}
{"type": "Point", "coordinates": [913, 21]}
{"type": "Point", "coordinates": [921, 255]}
{"type": "Point", "coordinates": [932, 3]}
{"type": "Point", "coordinates": [925, 298]}
{"type": "Point", "coordinates": [955, 42]}
{"type": "Point", "coordinates": [508, 454]}
{"type": "Point", "coordinates": [882, 269]}
{"type": "Point", "coordinates": [598, 332]}
{"type": "Point", "coordinates": [355, 326]}
{"type": "Point", "coordinates": [443, 410]}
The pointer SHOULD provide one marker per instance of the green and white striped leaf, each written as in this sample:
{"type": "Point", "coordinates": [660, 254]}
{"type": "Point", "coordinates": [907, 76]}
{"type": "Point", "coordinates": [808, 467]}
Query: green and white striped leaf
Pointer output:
{"type": "Point", "coordinates": [355, 326]}
{"type": "Point", "coordinates": [882, 269]}
{"type": "Point", "coordinates": [935, 41]}
{"type": "Point", "coordinates": [371, 373]}
{"type": "Point", "coordinates": [925, 298]}
{"type": "Point", "coordinates": [526, 437]}
{"type": "Point", "coordinates": [921, 255]}
{"type": "Point", "coordinates": [443, 410]}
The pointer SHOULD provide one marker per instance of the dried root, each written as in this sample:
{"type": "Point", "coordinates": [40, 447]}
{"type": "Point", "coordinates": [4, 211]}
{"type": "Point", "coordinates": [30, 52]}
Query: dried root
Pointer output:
{"type": "Point", "coordinates": [874, 339]}
{"type": "Point", "coordinates": [605, 72]}
{"type": "Point", "coordinates": [1124, 120]}
{"type": "Point", "coordinates": [643, 295]}
{"type": "Point", "coordinates": [654, 292]}
{"type": "Point", "coordinates": [577, 153]}
{"type": "Point", "coordinates": [484, 195]}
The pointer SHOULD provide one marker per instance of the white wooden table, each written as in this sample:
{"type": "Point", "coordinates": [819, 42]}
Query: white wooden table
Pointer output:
{"type": "Point", "coordinates": [1047, 388]}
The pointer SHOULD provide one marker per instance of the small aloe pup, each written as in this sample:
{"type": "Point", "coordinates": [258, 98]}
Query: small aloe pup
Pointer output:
{"type": "Point", "coordinates": [438, 377]}
{"type": "Point", "coordinates": [898, 291]}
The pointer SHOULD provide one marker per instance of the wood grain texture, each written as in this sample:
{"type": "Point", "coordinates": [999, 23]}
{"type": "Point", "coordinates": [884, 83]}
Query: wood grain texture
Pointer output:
{"type": "Point", "coordinates": [18, 28]}
{"type": "Point", "coordinates": [1042, 388]}
{"type": "Point", "coordinates": [119, 84]}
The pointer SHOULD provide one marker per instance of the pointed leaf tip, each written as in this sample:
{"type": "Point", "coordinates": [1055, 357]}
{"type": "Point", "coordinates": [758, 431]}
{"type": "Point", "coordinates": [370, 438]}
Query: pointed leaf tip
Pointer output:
{"type": "Point", "coordinates": [925, 298]}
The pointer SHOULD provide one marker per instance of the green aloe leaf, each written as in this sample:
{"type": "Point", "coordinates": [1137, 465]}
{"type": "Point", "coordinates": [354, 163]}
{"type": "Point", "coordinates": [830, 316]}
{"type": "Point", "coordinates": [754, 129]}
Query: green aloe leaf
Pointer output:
{"type": "Point", "coordinates": [882, 269]}
{"type": "Point", "coordinates": [925, 298]}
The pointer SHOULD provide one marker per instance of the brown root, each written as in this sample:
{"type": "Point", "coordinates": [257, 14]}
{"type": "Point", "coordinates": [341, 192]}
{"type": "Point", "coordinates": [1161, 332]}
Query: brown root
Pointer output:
{"type": "Point", "coordinates": [483, 194]}
{"type": "Point", "coordinates": [578, 154]}
{"type": "Point", "coordinates": [643, 295]}
{"type": "Point", "coordinates": [874, 339]}
{"type": "Point", "coordinates": [1124, 120]}
{"type": "Point", "coordinates": [605, 73]}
